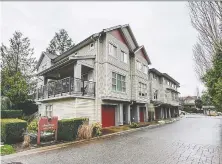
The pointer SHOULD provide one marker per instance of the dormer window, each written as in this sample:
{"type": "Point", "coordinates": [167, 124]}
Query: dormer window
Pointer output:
{"type": "Point", "coordinates": [91, 46]}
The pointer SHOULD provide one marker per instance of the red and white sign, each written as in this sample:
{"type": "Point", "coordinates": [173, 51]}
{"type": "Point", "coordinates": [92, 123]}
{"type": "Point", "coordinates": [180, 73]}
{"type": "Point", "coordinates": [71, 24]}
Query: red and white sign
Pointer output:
{"type": "Point", "coordinates": [45, 124]}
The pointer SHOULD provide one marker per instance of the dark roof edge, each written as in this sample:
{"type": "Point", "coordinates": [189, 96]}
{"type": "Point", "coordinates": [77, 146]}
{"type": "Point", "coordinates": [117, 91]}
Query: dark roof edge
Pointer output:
{"type": "Point", "coordinates": [164, 75]}
{"type": "Point", "coordinates": [77, 46]}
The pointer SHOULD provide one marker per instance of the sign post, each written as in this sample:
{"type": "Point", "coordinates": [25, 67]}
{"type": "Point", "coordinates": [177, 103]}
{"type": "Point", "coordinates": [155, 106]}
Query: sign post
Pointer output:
{"type": "Point", "coordinates": [45, 124]}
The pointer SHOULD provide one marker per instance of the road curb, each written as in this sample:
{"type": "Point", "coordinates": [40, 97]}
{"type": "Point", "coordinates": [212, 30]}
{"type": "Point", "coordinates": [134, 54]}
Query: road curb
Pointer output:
{"type": "Point", "coordinates": [63, 145]}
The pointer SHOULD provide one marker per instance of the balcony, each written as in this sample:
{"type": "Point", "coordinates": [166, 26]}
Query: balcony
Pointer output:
{"type": "Point", "coordinates": [65, 87]}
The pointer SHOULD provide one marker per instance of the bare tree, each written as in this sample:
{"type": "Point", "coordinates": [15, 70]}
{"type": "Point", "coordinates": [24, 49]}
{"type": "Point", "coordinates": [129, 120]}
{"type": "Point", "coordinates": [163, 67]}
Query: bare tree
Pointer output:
{"type": "Point", "coordinates": [206, 18]}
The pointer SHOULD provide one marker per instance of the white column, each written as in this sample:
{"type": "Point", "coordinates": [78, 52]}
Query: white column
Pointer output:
{"type": "Point", "coordinates": [169, 113]}
{"type": "Point", "coordinates": [128, 114]}
{"type": "Point", "coordinates": [77, 70]}
{"type": "Point", "coordinates": [120, 114]}
{"type": "Point", "coordinates": [77, 74]}
{"type": "Point", "coordinates": [137, 114]}
{"type": "Point", "coordinates": [161, 113]}
{"type": "Point", "coordinates": [117, 115]}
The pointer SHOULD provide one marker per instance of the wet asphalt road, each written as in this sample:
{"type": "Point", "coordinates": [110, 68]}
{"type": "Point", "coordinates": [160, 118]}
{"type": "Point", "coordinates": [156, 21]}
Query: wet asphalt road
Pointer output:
{"type": "Point", "coordinates": [193, 139]}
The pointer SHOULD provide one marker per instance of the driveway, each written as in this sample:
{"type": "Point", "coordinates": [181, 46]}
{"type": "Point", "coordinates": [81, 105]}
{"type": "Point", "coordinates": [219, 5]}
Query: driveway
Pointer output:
{"type": "Point", "coordinates": [193, 139]}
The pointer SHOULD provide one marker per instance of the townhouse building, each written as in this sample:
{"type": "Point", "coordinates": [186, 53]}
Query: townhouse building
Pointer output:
{"type": "Point", "coordinates": [104, 78]}
{"type": "Point", "coordinates": [164, 95]}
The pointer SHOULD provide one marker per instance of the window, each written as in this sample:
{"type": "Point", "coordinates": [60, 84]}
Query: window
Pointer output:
{"type": "Point", "coordinates": [48, 109]}
{"type": "Point", "coordinates": [118, 82]}
{"type": "Point", "coordinates": [123, 57]}
{"type": "Point", "coordinates": [166, 94]}
{"type": "Point", "coordinates": [138, 65]}
{"type": "Point", "coordinates": [91, 46]}
{"type": "Point", "coordinates": [154, 76]}
{"type": "Point", "coordinates": [112, 50]}
{"type": "Point", "coordinates": [142, 89]}
{"type": "Point", "coordinates": [145, 69]}
{"type": "Point", "coordinates": [155, 94]}
{"type": "Point", "coordinates": [44, 66]}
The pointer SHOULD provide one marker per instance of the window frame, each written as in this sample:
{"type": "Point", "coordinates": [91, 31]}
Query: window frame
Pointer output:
{"type": "Point", "coordinates": [145, 69]}
{"type": "Point", "coordinates": [111, 49]}
{"type": "Point", "coordinates": [122, 82]}
{"type": "Point", "coordinates": [138, 64]}
{"type": "Point", "coordinates": [91, 47]}
{"type": "Point", "coordinates": [123, 57]}
{"type": "Point", "coordinates": [142, 89]}
{"type": "Point", "coordinates": [49, 110]}
{"type": "Point", "coordinates": [155, 94]}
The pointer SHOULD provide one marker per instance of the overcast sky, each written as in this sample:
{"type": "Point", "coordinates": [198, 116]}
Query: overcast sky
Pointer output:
{"type": "Point", "coordinates": [164, 29]}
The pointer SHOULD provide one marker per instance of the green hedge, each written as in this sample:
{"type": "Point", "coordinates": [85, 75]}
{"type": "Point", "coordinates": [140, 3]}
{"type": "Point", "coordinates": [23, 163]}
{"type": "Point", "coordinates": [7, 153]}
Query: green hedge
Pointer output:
{"type": "Point", "coordinates": [12, 130]}
{"type": "Point", "coordinates": [11, 113]}
{"type": "Point", "coordinates": [7, 149]}
{"type": "Point", "coordinates": [68, 128]}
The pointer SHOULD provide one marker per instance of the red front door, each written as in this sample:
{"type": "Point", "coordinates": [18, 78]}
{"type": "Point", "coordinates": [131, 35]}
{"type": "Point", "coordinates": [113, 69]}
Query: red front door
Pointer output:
{"type": "Point", "coordinates": [108, 116]}
{"type": "Point", "coordinates": [141, 115]}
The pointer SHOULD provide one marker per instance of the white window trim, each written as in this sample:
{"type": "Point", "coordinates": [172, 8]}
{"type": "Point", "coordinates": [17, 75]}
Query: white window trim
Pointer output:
{"type": "Point", "coordinates": [91, 48]}
{"type": "Point", "coordinates": [49, 110]}
{"type": "Point", "coordinates": [112, 53]}
{"type": "Point", "coordinates": [138, 62]}
{"type": "Point", "coordinates": [142, 89]}
{"type": "Point", "coordinates": [117, 82]}
{"type": "Point", "coordinates": [145, 70]}
{"type": "Point", "coordinates": [125, 56]}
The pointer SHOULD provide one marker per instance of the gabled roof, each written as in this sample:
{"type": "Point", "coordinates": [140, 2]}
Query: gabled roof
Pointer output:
{"type": "Point", "coordinates": [153, 70]}
{"type": "Point", "coordinates": [144, 52]}
{"type": "Point", "coordinates": [189, 97]}
{"type": "Point", "coordinates": [94, 37]}
{"type": "Point", "coordinates": [51, 56]}
{"type": "Point", "coordinates": [170, 78]}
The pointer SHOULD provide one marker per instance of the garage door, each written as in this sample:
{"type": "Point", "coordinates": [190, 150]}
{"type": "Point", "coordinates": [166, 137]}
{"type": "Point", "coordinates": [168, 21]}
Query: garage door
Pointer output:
{"type": "Point", "coordinates": [141, 114]}
{"type": "Point", "coordinates": [108, 116]}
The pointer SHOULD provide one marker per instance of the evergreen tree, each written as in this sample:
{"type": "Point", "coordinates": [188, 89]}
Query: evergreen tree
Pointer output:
{"type": "Point", "coordinates": [17, 68]}
{"type": "Point", "coordinates": [60, 43]}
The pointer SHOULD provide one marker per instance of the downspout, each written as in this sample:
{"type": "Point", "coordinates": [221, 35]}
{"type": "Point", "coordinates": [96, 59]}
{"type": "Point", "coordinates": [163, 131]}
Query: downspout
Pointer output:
{"type": "Point", "coordinates": [96, 87]}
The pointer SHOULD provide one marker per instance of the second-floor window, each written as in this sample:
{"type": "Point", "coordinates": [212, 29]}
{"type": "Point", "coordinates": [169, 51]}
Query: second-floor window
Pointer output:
{"type": "Point", "coordinates": [155, 94]}
{"type": "Point", "coordinates": [138, 65]}
{"type": "Point", "coordinates": [123, 57]}
{"type": "Point", "coordinates": [154, 76]}
{"type": "Point", "coordinates": [142, 89]}
{"type": "Point", "coordinates": [44, 66]}
{"type": "Point", "coordinates": [145, 69]}
{"type": "Point", "coordinates": [112, 50]}
{"type": "Point", "coordinates": [118, 82]}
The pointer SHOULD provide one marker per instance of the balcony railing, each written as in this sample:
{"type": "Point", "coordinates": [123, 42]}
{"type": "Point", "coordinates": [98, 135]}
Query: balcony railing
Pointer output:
{"type": "Point", "coordinates": [66, 86]}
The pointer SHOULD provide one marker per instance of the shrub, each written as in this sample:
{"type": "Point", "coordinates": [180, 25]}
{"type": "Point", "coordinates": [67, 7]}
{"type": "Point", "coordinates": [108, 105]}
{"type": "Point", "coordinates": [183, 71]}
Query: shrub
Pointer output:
{"type": "Point", "coordinates": [97, 129]}
{"type": "Point", "coordinates": [68, 128]}
{"type": "Point", "coordinates": [7, 149]}
{"type": "Point", "coordinates": [11, 113]}
{"type": "Point", "coordinates": [12, 130]}
{"type": "Point", "coordinates": [85, 131]}
{"type": "Point", "coordinates": [5, 103]}
{"type": "Point", "coordinates": [33, 126]}
{"type": "Point", "coordinates": [134, 125]}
